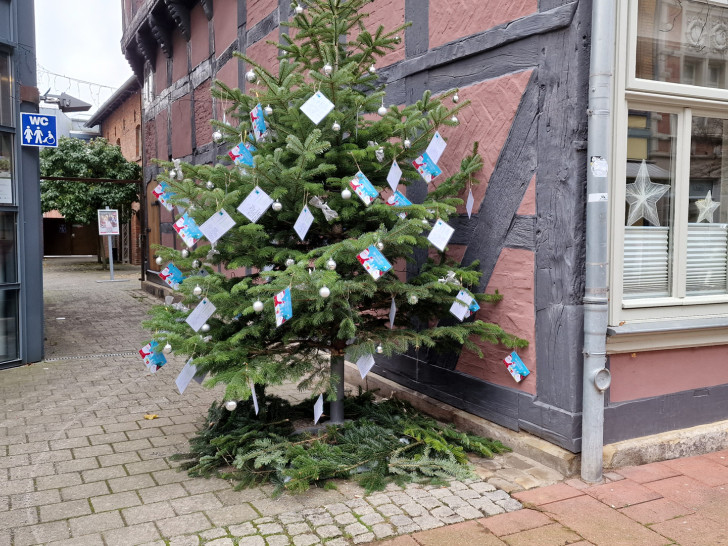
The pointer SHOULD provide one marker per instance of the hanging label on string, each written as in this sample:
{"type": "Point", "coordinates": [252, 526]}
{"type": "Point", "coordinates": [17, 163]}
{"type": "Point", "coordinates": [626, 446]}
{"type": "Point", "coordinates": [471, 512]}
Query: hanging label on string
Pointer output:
{"type": "Point", "coordinates": [436, 147]}
{"type": "Point", "coordinates": [188, 230]}
{"type": "Point", "coordinates": [303, 223]}
{"type": "Point", "coordinates": [469, 203]}
{"type": "Point", "coordinates": [255, 204]}
{"type": "Point", "coordinates": [318, 409]}
{"type": "Point", "coordinates": [172, 276]}
{"type": "Point", "coordinates": [363, 188]}
{"type": "Point", "coordinates": [440, 234]}
{"type": "Point", "coordinates": [217, 225]}
{"type": "Point", "coordinates": [394, 176]}
{"type": "Point", "coordinates": [317, 107]}
{"type": "Point", "coordinates": [200, 314]}
{"type": "Point", "coordinates": [365, 364]}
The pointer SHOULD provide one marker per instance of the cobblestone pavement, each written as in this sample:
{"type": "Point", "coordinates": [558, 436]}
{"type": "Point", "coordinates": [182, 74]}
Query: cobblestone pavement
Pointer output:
{"type": "Point", "coordinates": [81, 465]}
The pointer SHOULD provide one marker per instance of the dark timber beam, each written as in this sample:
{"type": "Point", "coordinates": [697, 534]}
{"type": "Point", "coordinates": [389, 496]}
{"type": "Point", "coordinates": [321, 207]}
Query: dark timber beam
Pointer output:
{"type": "Point", "coordinates": [181, 14]}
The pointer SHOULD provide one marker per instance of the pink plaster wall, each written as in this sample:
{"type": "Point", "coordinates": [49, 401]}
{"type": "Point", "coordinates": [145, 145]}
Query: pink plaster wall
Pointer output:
{"type": "Point", "coordinates": [389, 14]}
{"type": "Point", "coordinates": [199, 36]}
{"type": "Point", "coordinates": [160, 72]}
{"type": "Point", "coordinates": [257, 10]}
{"type": "Point", "coordinates": [160, 122]}
{"type": "Point", "coordinates": [513, 277]}
{"type": "Point", "coordinates": [181, 127]}
{"type": "Point", "coordinates": [654, 373]}
{"type": "Point", "coordinates": [179, 56]}
{"type": "Point", "coordinates": [203, 113]}
{"type": "Point", "coordinates": [228, 75]}
{"type": "Point", "coordinates": [225, 24]}
{"type": "Point", "coordinates": [458, 18]}
{"type": "Point", "coordinates": [528, 204]}
{"type": "Point", "coordinates": [264, 53]}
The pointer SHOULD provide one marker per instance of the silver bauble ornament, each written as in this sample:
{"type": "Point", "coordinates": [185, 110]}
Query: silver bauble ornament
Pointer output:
{"type": "Point", "coordinates": [205, 327]}
{"type": "Point", "coordinates": [407, 144]}
{"type": "Point", "coordinates": [251, 76]}
{"type": "Point", "coordinates": [210, 185]}
{"type": "Point", "coordinates": [330, 264]}
{"type": "Point", "coordinates": [197, 290]}
{"type": "Point", "coordinates": [336, 127]}
{"type": "Point", "coordinates": [277, 206]}
{"type": "Point", "coordinates": [379, 349]}
{"type": "Point", "coordinates": [380, 245]}
{"type": "Point", "coordinates": [455, 119]}
{"type": "Point", "coordinates": [397, 39]}
{"type": "Point", "coordinates": [372, 69]}
{"type": "Point", "coordinates": [231, 405]}
{"type": "Point", "coordinates": [268, 110]}
{"type": "Point", "coordinates": [324, 292]}
{"type": "Point", "coordinates": [298, 9]}
{"type": "Point", "coordinates": [328, 69]}
{"type": "Point", "coordinates": [217, 136]}
{"type": "Point", "coordinates": [196, 263]}
{"type": "Point", "coordinates": [185, 253]}
{"type": "Point", "coordinates": [290, 262]}
{"type": "Point", "coordinates": [382, 110]}
{"type": "Point", "coordinates": [167, 348]}
{"type": "Point", "coordinates": [258, 306]}
{"type": "Point", "coordinates": [456, 98]}
{"type": "Point", "coordinates": [159, 260]}
{"type": "Point", "coordinates": [345, 193]}
{"type": "Point", "coordinates": [412, 299]}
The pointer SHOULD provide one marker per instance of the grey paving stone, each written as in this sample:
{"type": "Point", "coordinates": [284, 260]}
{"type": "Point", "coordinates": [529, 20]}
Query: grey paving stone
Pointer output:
{"type": "Point", "coordinates": [482, 487]}
{"type": "Point", "coordinates": [306, 540]}
{"type": "Point", "coordinates": [290, 517]}
{"type": "Point", "coordinates": [338, 542]}
{"type": "Point", "coordinates": [127, 483]}
{"type": "Point", "coordinates": [427, 522]}
{"type": "Point", "coordinates": [64, 510]}
{"type": "Point", "coordinates": [95, 523]}
{"type": "Point", "coordinates": [144, 467]}
{"type": "Point", "coordinates": [195, 503]}
{"type": "Point", "coordinates": [497, 495]}
{"type": "Point", "coordinates": [344, 519]}
{"type": "Point", "coordinates": [328, 531]}
{"type": "Point", "coordinates": [361, 539]}
{"type": "Point", "coordinates": [277, 540]}
{"type": "Point", "coordinates": [265, 519]}
{"type": "Point", "coordinates": [270, 529]}
{"type": "Point", "coordinates": [77, 465]}
{"type": "Point", "coordinates": [41, 534]}
{"type": "Point", "coordinates": [36, 498]}
{"type": "Point", "coordinates": [467, 494]}
{"type": "Point", "coordinates": [221, 542]}
{"type": "Point", "coordinates": [186, 540]}
{"type": "Point", "coordinates": [213, 533]}
{"type": "Point", "coordinates": [510, 505]}
{"type": "Point", "coordinates": [354, 529]}
{"type": "Point", "coordinates": [320, 519]}
{"type": "Point", "coordinates": [389, 510]}
{"type": "Point", "coordinates": [487, 506]}
{"type": "Point", "coordinates": [132, 535]}
{"type": "Point", "coordinates": [242, 530]}
{"type": "Point", "coordinates": [61, 480]}
{"type": "Point", "coordinates": [453, 501]}
{"type": "Point", "coordinates": [401, 520]}
{"type": "Point", "coordinates": [371, 519]}
{"type": "Point", "coordinates": [115, 501]}
{"type": "Point", "coordinates": [414, 509]}
{"type": "Point", "coordinates": [190, 523]}
{"type": "Point", "coordinates": [162, 493]}
{"type": "Point", "coordinates": [18, 518]}
{"type": "Point", "coordinates": [231, 515]}
{"type": "Point", "coordinates": [382, 530]}
{"type": "Point", "coordinates": [252, 541]}
{"type": "Point", "coordinates": [148, 512]}
{"type": "Point", "coordinates": [467, 512]}
{"type": "Point", "coordinates": [298, 528]}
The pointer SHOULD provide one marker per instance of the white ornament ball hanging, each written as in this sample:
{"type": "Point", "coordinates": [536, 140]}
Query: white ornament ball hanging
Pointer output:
{"type": "Point", "coordinates": [336, 127]}
{"type": "Point", "coordinates": [407, 144]}
{"type": "Point", "coordinates": [167, 348]}
{"type": "Point", "coordinates": [330, 264]}
{"type": "Point", "coordinates": [185, 253]}
{"type": "Point", "coordinates": [455, 119]}
{"type": "Point", "coordinates": [298, 9]}
{"type": "Point", "coordinates": [379, 349]}
{"type": "Point", "coordinates": [324, 292]}
{"type": "Point", "coordinates": [197, 290]}
{"type": "Point", "coordinates": [456, 98]}
{"type": "Point", "coordinates": [217, 136]}
{"type": "Point", "coordinates": [159, 260]}
{"type": "Point", "coordinates": [380, 245]}
{"type": "Point", "coordinates": [412, 299]}
{"type": "Point", "coordinates": [290, 262]}
{"type": "Point", "coordinates": [205, 327]}
{"type": "Point", "coordinates": [196, 263]}
{"type": "Point", "coordinates": [268, 110]}
{"type": "Point", "coordinates": [210, 185]}
{"type": "Point", "coordinates": [382, 110]}
{"type": "Point", "coordinates": [345, 193]}
{"type": "Point", "coordinates": [373, 69]}
{"type": "Point", "coordinates": [251, 76]}
{"type": "Point", "coordinates": [231, 405]}
{"type": "Point", "coordinates": [328, 69]}
{"type": "Point", "coordinates": [397, 39]}
{"type": "Point", "coordinates": [277, 206]}
{"type": "Point", "coordinates": [258, 306]}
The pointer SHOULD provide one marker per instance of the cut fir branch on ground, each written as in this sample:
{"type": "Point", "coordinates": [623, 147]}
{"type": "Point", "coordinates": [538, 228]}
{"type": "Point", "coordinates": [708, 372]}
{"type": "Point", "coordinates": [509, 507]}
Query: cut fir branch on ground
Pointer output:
{"type": "Point", "coordinates": [385, 441]}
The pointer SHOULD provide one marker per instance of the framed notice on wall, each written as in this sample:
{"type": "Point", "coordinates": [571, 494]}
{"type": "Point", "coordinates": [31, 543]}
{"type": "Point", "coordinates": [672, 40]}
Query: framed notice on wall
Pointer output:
{"type": "Point", "coordinates": [108, 222]}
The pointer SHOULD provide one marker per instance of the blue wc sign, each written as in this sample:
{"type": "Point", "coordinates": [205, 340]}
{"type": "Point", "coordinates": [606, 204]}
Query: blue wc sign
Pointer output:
{"type": "Point", "coordinates": [38, 130]}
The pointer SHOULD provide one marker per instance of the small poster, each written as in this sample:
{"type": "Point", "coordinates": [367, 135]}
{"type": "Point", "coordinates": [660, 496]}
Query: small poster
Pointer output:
{"type": "Point", "coordinates": [108, 222]}
{"type": "Point", "coordinates": [363, 188]}
{"type": "Point", "coordinates": [6, 190]}
{"type": "Point", "coordinates": [200, 314]}
{"type": "Point", "coordinates": [187, 229]}
{"type": "Point", "coordinates": [516, 367]}
{"type": "Point", "coordinates": [257, 119]}
{"type": "Point", "coordinates": [394, 176]}
{"type": "Point", "coordinates": [242, 154]}
{"type": "Point", "coordinates": [436, 147]}
{"type": "Point", "coordinates": [317, 107]}
{"type": "Point", "coordinates": [440, 234]}
{"type": "Point", "coordinates": [172, 276]}
{"type": "Point", "coordinates": [152, 359]}
{"type": "Point", "coordinates": [283, 306]}
{"type": "Point", "coordinates": [255, 204]}
{"type": "Point", "coordinates": [427, 168]}
{"type": "Point", "coordinates": [217, 225]}
{"type": "Point", "coordinates": [374, 262]}
{"type": "Point", "coordinates": [163, 193]}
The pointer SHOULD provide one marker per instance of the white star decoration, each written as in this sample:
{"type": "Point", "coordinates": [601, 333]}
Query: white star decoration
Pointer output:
{"type": "Point", "coordinates": [643, 196]}
{"type": "Point", "coordinates": [706, 208]}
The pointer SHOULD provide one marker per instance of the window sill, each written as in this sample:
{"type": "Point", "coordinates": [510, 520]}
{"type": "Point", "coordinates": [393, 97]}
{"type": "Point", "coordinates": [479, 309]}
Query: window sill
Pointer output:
{"type": "Point", "coordinates": [667, 334]}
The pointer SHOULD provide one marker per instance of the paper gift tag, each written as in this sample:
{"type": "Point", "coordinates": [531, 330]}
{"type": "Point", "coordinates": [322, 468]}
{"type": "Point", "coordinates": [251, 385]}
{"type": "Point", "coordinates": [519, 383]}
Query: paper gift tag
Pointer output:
{"type": "Point", "coordinates": [283, 306]}
{"type": "Point", "coordinates": [394, 176]}
{"type": "Point", "coordinates": [469, 204]}
{"type": "Point", "coordinates": [217, 225]}
{"type": "Point", "coordinates": [440, 234]}
{"type": "Point", "coordinates": [363, 188]}
{"type": "Point", "coordinates": [200, 314]}
{"type": "Point", "coordinates": [427, 168]}
{"type": "Point", "coordinates": [302, 225]}
{"type": "Point", "coordinates": [253, 395]}
{"type": "Point", "coordinates": [461, 304]}
{"type": "Point", "coordinates": [185, 376]}
{"type": "Point", "coordinates": [187, 229]}
{"type": "Point", "coordinates": [374, 262]}
{"type": "Point", "coordinates": [163, 194]}
{"type": "Point", "coordinates": [242, 154]}
{"type": "Point", "coordinates": [317, 107]}
{"type": "Point", "coordinates": [172, 276]}
{"type": "Point", "coordinates": [436, 147]}
{"type": "Point", "coordinates": [257, 119]}
{"type": "Point", "coordinates": [392, 314]}
{"type": "Point", "coordinates": [255, 205]}
{"type": "Point", "coordinates": [365, 364]}
{"type": "Point", "coordinates": [318, 409]}
{"type": "Point", "coordinates": [516, 367]}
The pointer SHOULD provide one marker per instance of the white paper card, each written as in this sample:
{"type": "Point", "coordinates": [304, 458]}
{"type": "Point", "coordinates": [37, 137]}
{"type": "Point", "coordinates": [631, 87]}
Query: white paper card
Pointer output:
{"type": "Point", "coordinates": [255, 205]}
{"type": "Point", "coordinates": [365, 364]}
{"type": "Point", "coordinates": [440, 234]}
{"type": "Point", "coordinates": [318, 409]}
{"type": "Point", "coordinates": [201, 313]}
{"type": "Point", "coordinates": [185, 376]}
{"type": "Point", "coordinates": [217, 225]}
{"type": "Point", "coordinates": [436, 147]}
{"type": "Point", "coordinates": [469, 204]}
{"type": "Point", "coordinates": [395, 174]}
{"type": "Point", "coordinates": [302, 225]}
{"type": "Point", "coordinates": [253, 395]}
{"type": "Point", "coordinates": [317, 107]}
{"type": "Point", "coordinates": [392, 314]}
{"type": "Point", "coordinates": [460, 306]}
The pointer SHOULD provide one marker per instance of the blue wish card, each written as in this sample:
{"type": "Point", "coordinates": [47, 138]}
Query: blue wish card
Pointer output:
{"type": "Point", "coordinates": [516, 367]}
{"type": "Point", "coordinates": [188, 229]}
{"type": "Point", "coordinates": [374, 262]}
{"type": "Point", "coordinates": [399, 200]}
{"type": "Point", "coordinates": [283, 306]}
{"type": "Point", "coordinates": [257, 119]}
{"type": "Point", "coordinates": [153, 359]}
{"type": "Point", "coordinates": [163, 194]}
{"type": "Point", "coordinates": [363, 188]}
{"type": "Point", "coordinates": [427, 168]}
{"type": "Point", "coordinates": [242, 154]}
{"type": "Point", "coordinates": [172, 276]}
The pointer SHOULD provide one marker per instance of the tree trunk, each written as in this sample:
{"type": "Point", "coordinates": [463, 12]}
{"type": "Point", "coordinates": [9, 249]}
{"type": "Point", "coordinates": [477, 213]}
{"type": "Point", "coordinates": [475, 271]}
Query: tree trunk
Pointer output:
{"type": "Point", "coordinates": [337, 370]}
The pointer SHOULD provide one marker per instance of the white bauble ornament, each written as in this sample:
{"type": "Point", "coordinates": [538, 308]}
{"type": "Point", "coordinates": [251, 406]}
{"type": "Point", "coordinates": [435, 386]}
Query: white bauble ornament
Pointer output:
{"type": "Point", "coordinates": [298, 9]}
{"type": "Point", "coordinates": [379, 349]}
{"type": "Point", "coordinates": [456, 98]}
{"type": "Point", "coordinates": [345, 193]}
{"type": "Point", "coordinates": [373, 69]}
{"type": "Point", "coordinates": [397, 39]}
{"type": "Point", "coordinates": [268, 110]}
{"type": "Point", "coordinates": [197, 290]}
{"type": "Point", "coordinates": [173, 174]}
{"type": "Point", "coordinates": [185, 253]}
{"type": "Point", "coordinates": [210, 185]}
{"type": "Point", "coordinates": [382, 110]}
{"type": "Point", "coordinates": [217, 136]}
{"type": "Point", "coordinates": [167, 348]}
{"type": "Point", "coordinates": [412, 299]}
{"type": "Point", "coordinates": [328, 69]}
{"type": "Point", "coordinates": [380, 245]}
{"type": "Point", "coordinates": [196, 263]}
{"type": "Point", "coordinates": [330, 264]}
{"type": "Point", "coordinates": [324, 292]}
{"type": "Point", "coordinates": [290, 262]}
{"type": "Point", "coordinates": [455, 119]}
{"type": "Point", "coordinates": [159, 260]}
{"type": "Point", "coordinates": [277, 206]}
{"type": "Point", "coordinates": [407, 144]}
{"type": "Point", "coordinates": [231, 405]}
{"type": "Point", "coordinates": [251, 76]}
{"type": "Point", "coordinates": [258, 306]}
{"type": "Point", "coordinates": [205, 327]}
{"type": "Point", "coordinates": [336, 127]}
{"type": "Point", "coordinates": [425, 221]}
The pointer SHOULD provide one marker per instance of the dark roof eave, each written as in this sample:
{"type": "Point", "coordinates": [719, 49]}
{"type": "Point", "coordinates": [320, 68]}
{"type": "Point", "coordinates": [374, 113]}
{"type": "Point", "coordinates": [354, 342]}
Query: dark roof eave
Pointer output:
{"type": "Point", "coordinates": [127, 89]}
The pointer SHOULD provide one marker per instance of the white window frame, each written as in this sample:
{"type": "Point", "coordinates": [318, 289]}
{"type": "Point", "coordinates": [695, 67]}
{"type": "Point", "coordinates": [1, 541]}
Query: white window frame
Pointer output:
{"type": "Point", "coordinates": [631, 93]}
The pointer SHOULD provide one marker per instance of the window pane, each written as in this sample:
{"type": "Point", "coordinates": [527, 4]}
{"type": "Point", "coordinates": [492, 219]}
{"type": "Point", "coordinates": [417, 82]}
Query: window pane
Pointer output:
{"type": "Point", "coordinates": [8, 254]}
{"type": "Point", "coordinates": [682, 41]}
{"type": "Point", "coordinates": [8, 325]}
{"type": "Point", "coordinates": [707, 215]}
{"type": "Point", "coordinates": [6, 99]}
{"type": "Point", "coordinates": [6, 168]}
{"type": "Point", "coordinates": [649, 210]}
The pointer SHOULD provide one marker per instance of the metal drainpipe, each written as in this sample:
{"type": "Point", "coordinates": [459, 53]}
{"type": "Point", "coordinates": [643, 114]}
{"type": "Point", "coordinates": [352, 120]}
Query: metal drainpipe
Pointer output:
{"type": "Point", "coordinates": [596, 376]}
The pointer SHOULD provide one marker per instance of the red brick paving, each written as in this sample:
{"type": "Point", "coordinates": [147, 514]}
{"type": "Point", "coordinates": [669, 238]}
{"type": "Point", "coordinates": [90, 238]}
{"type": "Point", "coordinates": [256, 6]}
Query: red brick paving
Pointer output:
{"type": "Point", "coordinates": [702, 469]}
{"type": "Point", "coordinates": [648, 472]}
{"type": "Point", "coordinates": [545, 495]}
{"type": "Point", "coordinates": [513, 522]}
{"type": "Point", "coordinates": [622, 493]}
{"type": "Point", "coordinates": [655, 511]}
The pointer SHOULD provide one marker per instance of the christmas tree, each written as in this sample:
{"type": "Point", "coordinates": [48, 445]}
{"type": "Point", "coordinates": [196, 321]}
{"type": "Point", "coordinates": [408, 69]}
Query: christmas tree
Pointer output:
{"type": "Point", "coordinates": [313, 225]}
